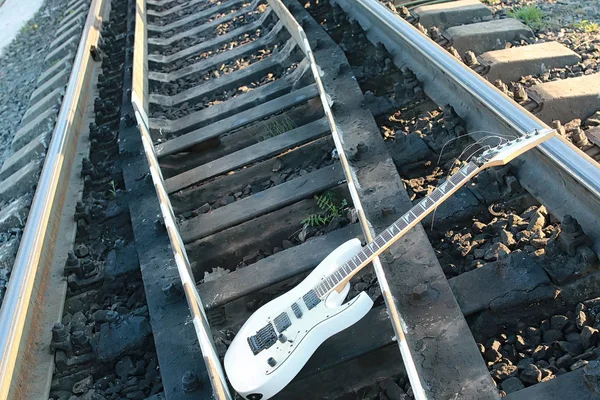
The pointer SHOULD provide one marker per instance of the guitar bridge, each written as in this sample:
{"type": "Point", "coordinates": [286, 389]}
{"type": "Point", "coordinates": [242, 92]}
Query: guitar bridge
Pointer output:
{"type": "Point", "coordinates": [264, 338]}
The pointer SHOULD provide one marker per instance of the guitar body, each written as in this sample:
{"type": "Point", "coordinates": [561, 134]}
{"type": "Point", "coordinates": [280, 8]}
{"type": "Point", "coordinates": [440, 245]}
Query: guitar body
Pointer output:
{"type": "Point", "coordinates": [262, 375]}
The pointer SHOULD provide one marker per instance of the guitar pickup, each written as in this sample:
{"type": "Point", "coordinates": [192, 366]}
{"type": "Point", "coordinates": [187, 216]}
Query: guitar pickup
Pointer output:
{"type": "Point", "coordinates": [282, 322]}
{"type": "Point", "coordinates": [311, 299]}
{"type": "Point", "coordinates": [297, 311]}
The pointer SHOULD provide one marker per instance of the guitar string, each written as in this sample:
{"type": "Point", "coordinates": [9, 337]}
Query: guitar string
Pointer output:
{"type": "Point", "coordinates": [361, 264]}
{"type": "Point", "coordinates": [479, 141]}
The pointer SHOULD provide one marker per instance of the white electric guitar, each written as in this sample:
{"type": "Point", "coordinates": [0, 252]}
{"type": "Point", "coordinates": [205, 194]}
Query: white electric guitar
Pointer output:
{"type": "Point", "coordinates": [279, 338]}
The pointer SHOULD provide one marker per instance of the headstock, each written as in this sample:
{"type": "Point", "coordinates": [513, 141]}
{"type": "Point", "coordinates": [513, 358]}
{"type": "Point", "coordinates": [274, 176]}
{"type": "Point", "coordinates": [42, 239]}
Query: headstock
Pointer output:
{"type": "Point", "coordinates": [508, 150]}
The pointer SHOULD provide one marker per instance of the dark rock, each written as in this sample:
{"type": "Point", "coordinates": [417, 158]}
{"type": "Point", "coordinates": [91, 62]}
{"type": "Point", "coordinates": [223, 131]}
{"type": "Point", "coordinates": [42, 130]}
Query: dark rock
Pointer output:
{"type": "Point", "coordinates": [81, 250]}
{"type": "Point", "coordinates": [117, 339]}
{"type": "Point", "coordinates": [558, 321]}
{"type": "Point", "coordinates": [409, 149]}
{"type": "Point", "coordinates": [203, 209]}
{"type": "Point", "coordinates": [83, 385]}
{"type": "Point", "coordinates": [541, 352]}
{"type": "Point", "coordinates": [392, 390]}
{"type": "Point", "coordinates": [579, 364]}
{"type": "Point", "coordinates": [524, 363]}
{"type": "Point", "coordinates": [121, 261]}
{"type": "Point", "coordinates": [589, 337]}
{"type": "Point", "coordinates": [521, 344]}
{"type": "Point", "coordinates": [531, 374]}
{"type": "Point", "coordinates": [124, 367]}
{"type": "Point", "coordinates": [512, 385]}
{"type": "Point", "coordinates": [573, 348]}
{"type": "Point", "coordinates": [573, 337]}
{"type": "Point", "coordinates": [503, 371]}
{"type": "Point", "coordinates": [565, 361]}
{"type": "Point", "coordinates": [552, 335]}
{"type": "Point", "coordinates": [286, 244]}
{"type": "Point", "coordinates": [492, 355]}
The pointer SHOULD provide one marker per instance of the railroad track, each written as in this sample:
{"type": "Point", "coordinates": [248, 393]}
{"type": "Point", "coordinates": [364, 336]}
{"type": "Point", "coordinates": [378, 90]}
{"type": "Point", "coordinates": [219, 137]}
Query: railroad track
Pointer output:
{"type": "Point", "coordinates": [231, 149]}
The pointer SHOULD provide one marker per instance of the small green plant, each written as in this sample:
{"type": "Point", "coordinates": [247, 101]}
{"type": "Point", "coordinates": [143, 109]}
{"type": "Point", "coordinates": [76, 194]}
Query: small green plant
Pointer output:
{"type": "Point", "coordinates": [112, 189]}
{"type": "Point", "coordinates": [330, 209]}
{"type": "Point", "coordinates": [29, 27]}
{"type": "Point", "coordinates": [271, 129]}
{"type": "Point", "coordinates": [529, 15]}
{"type": "Point", "coordinates": [587, 26]}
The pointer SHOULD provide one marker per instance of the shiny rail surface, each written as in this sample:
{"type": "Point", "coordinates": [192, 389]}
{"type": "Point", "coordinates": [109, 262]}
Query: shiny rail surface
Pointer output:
{"type": "Point", "coordinates": [37, 244]}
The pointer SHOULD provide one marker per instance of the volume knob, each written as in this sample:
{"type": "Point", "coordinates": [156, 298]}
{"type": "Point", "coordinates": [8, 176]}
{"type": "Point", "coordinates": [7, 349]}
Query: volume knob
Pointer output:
{"type": "Point", "coordinates": [282, 338]}
{"type": "Point", "coordinates": [271, 361]}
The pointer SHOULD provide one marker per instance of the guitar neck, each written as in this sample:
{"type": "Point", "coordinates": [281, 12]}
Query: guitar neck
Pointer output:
{"type": "Point", "coordinates": [338, 279]}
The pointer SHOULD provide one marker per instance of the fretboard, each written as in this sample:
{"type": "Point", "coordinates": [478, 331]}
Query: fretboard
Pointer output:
{"type": "Point", "coordinates": [397, 229]}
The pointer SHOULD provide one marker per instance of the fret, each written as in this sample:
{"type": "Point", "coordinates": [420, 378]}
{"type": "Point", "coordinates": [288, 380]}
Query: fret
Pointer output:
{"type": "Point", "coordinates": [351, 263]}
{"type": "Point", "coordinates": [360, 257]}
{"type": "Point", "coordinates": [327, 285]}
{"type": "Point", "coordinates": [380, 240]}
{"type": "Point", "coordinates": [367, 252]}
{"type": "Point", "coordinates": [347, 268]}
{"type": "Point", "coordinates": [334, 279]}
{"type": "Point", "coordinates": [385, 235]}
{"type": "Point", "coordinates": [319, 290]}
{"type": "Point", "coordinates": [375, 246]}
{"type": "Point", "coordinates": [338, 274]}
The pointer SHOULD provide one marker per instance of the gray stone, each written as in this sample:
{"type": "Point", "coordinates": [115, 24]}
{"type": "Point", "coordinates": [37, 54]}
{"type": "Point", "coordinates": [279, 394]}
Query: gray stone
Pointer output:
{"type": "Point", "coordinates": [14, 214]}
{"type": "Point", "coordinates": [83, 385]}
{"type": "Point", "coordinates": [8, 252]}
{"type": "Point", "coordinates": [496, 251]}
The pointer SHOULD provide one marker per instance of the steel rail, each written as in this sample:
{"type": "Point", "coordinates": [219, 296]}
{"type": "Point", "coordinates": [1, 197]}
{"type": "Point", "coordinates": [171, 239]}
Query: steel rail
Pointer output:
{"type": "Point", "coordinates": [37, 243]}
{"type": "Point", "coordinates": [396, 320]}
{"type": "Point", "coordinates": [201, 325]}
{"type": "Point", "coordinates": [447, 79]}
{"type": "Point", "coordinates": [140, 101]}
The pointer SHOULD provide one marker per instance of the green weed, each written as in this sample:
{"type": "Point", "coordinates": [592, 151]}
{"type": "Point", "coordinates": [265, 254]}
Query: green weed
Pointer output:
{"type": "Point", "coordinates": [273, 128]}
{"type": "Point", "coordinates": [587, 26]}
{"type": "Point", "coordinates": [330, 209]}
{"type": "Point", "coordinates": [112, 189]}
{"type": "Point", "coordinates": [529, 15]}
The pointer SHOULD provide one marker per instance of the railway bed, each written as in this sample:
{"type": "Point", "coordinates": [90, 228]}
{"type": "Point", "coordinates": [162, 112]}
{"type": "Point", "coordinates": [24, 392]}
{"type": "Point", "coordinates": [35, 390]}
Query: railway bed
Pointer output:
{"type": "Point", "coordinates": [232, 148]}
